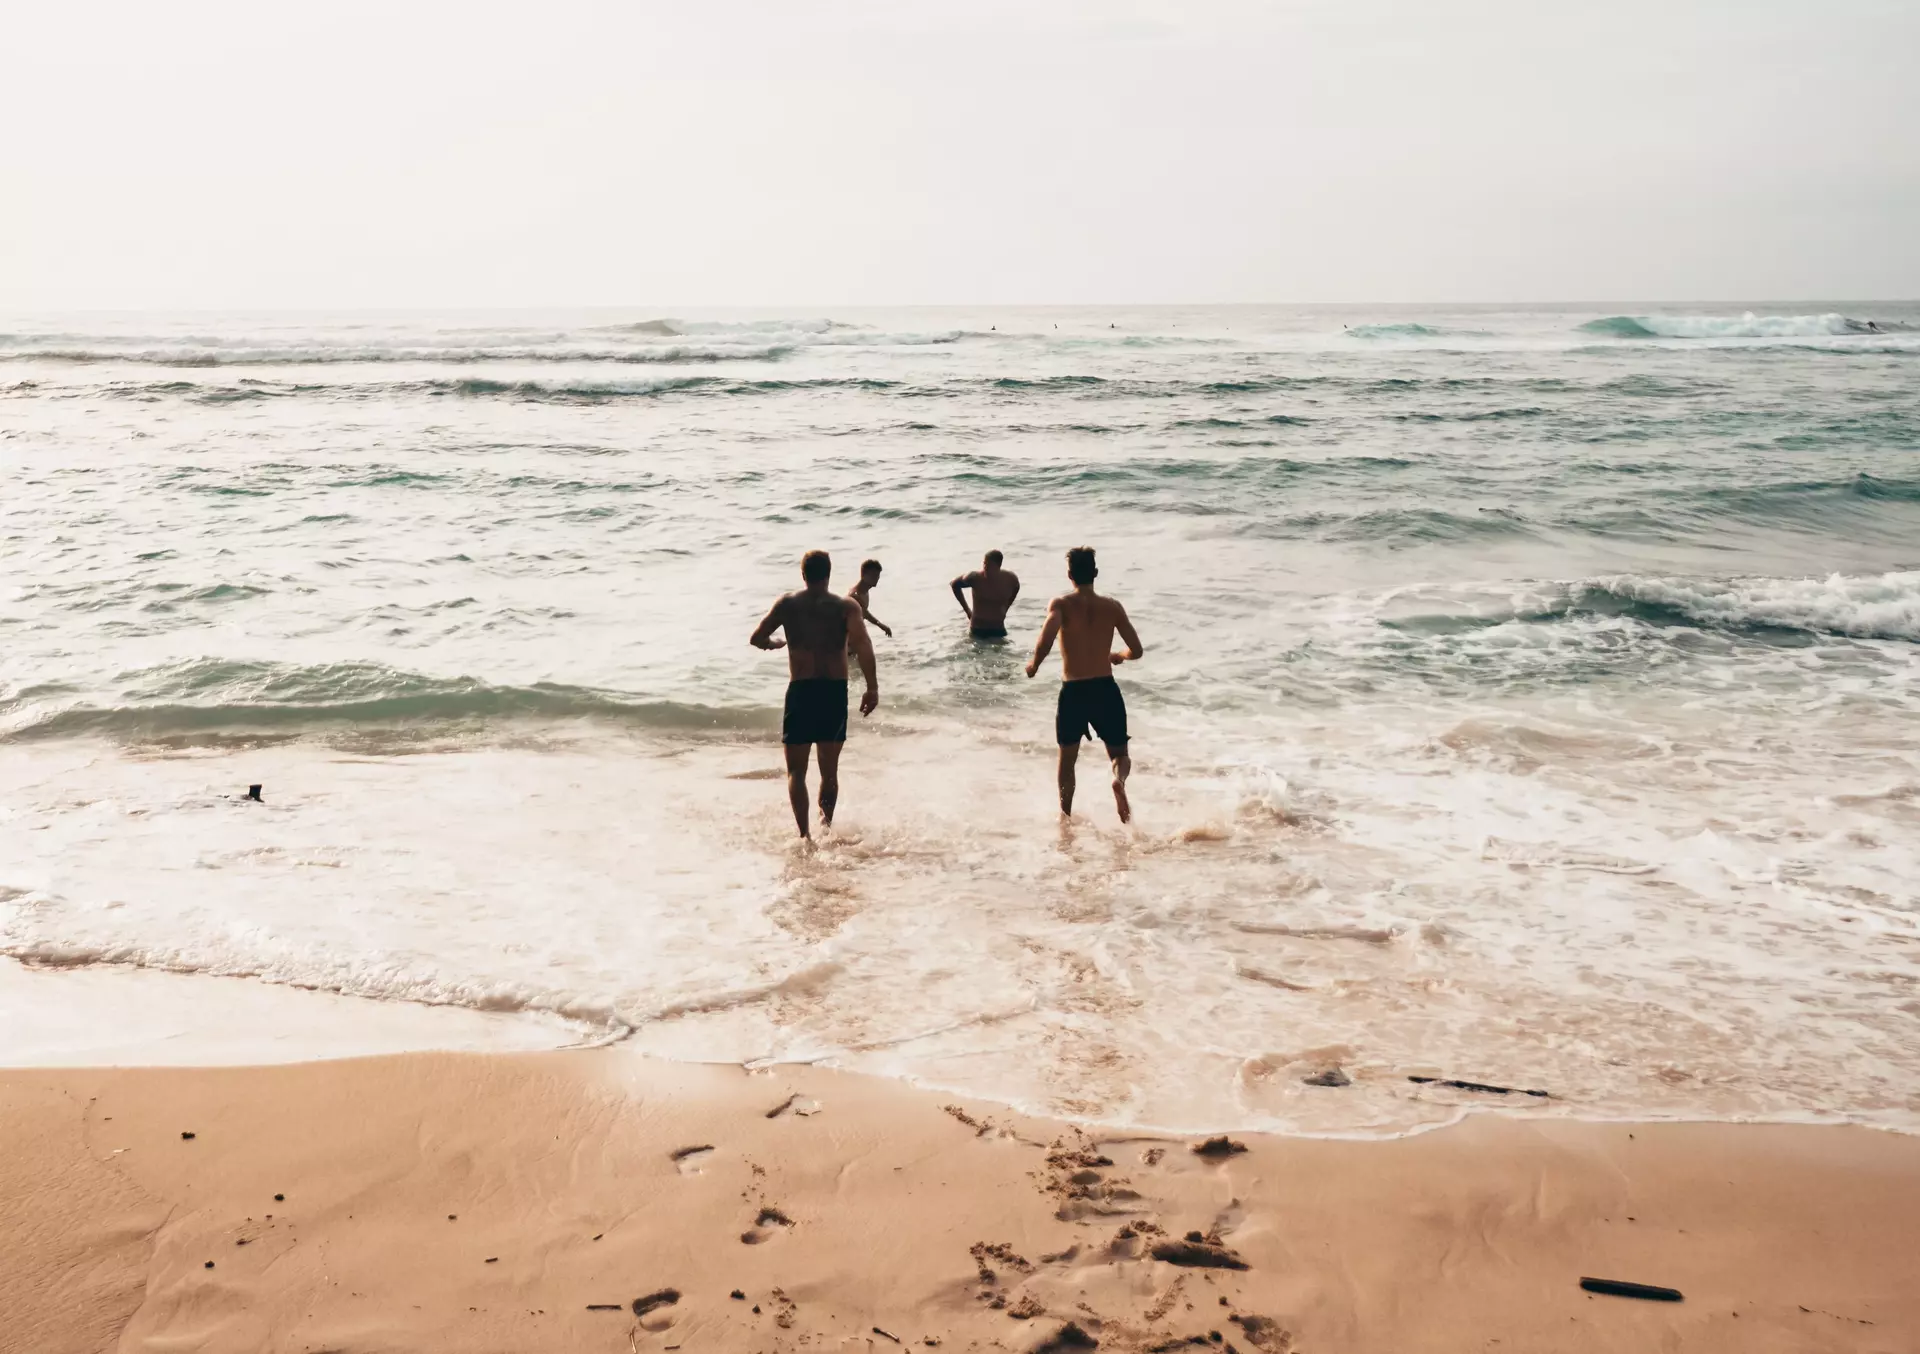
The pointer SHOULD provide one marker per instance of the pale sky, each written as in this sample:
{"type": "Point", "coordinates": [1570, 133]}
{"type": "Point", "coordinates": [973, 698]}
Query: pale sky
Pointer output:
{"type": "Point", "coordinates": [280, 153]}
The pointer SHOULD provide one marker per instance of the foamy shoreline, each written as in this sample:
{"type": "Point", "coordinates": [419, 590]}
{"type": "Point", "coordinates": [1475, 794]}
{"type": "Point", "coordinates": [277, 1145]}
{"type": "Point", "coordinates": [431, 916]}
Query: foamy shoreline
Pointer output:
{"type": "Point", "coordinates": [125, 1017]}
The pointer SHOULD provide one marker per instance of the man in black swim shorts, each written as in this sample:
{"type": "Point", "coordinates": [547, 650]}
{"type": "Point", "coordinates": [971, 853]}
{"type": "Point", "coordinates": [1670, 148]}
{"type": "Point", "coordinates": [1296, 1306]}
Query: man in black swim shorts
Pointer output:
{"type": "Point", "coordinates": [1090, 699]}
{"type": "Point", "coordinates": [994, 591]}
{"type": "Point", "coordinates": [820, 629]}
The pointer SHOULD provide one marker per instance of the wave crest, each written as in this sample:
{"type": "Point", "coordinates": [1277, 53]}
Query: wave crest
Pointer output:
{"type": "Point", "coordinates": [1749, 325]}
{"type": "Point", "coordinates": [213, 700]}
{"type": "Point", "coordinates": [1886, 606]}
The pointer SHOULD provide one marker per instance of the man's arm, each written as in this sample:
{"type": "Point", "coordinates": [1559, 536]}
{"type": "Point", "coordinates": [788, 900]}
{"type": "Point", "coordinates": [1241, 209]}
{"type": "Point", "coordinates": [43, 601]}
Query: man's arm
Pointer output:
{"type": "Point", "coordinates": [1120, 622]}
{"type": "Point", "coordinates": [862, 645]}
{"type": "Point", "coordinates": [960, 585]}
{"type": "Point", "coordinates": [867, 612]}
{"type": "Point", "coordinates": [1013, 596]}
{"type": "Point", "coordinates": [1044, 646]}
{"type": "Point", "coordinates": [762, 638]}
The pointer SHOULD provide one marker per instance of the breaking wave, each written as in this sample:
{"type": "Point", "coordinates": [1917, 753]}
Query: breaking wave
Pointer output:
{"type": "Point", "coordinates": [218, 700]}
{"type": "Point", "coordinates": [1749, 325]}
{"type": "Point", "coordinates": [1874, 607]}
{"type": "Point", "coordinates": [1884, 606]}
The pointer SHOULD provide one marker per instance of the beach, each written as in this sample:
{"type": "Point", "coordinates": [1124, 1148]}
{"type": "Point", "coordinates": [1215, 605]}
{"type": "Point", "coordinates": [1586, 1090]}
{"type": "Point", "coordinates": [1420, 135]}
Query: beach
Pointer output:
{"type": "Point", "coordinates": [529, 1202]}
{"type": "Point", "coordinates": [1525, 775]}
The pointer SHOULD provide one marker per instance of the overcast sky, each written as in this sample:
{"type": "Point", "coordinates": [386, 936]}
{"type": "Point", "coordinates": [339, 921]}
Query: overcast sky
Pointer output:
{"type": "Point", "coordinates": [804, 152]}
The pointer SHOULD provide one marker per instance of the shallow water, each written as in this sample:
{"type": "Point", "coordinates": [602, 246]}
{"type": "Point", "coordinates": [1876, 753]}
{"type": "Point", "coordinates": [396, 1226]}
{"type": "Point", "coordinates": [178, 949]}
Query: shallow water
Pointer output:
{"type": "Point", "coordinates": [1529, 695]}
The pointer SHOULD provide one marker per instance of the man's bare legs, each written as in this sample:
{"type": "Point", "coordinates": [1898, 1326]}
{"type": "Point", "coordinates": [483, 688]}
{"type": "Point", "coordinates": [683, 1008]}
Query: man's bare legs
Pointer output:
{"type": "Point", "coordinates": [1122, 768]}
{"type": "Point", "coordinates": [797, 783]}
{"type": "Point", "coordinates": [829, 781]}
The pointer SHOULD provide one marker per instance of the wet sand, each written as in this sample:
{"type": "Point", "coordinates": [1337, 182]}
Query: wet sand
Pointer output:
{"type": "Point", "coordinates": [533, 1202]}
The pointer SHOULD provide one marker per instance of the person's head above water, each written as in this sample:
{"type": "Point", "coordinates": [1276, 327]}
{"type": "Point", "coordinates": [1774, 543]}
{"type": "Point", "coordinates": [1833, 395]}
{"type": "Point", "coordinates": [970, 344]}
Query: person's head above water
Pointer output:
{"type": "Point", "coordinates": [1080, 567]}
{"type": "Point", "coordinates": [816, 567]}
{"type": "Point", "coordinates": [870, 570]}
{"type": "Point", "coordinates": [993, 559]}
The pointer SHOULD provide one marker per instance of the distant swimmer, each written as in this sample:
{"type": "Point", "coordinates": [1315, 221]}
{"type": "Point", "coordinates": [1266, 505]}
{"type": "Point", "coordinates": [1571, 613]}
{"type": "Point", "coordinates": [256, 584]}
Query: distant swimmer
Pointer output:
{"type": "Point", "coordinates": [994, 590]}
{"type": "Point", "coordinates": [1089, 697]}
{"type": "Point", "coordinates": [820, 629]}
{"type": "Point", "coordinates": [861, 591]}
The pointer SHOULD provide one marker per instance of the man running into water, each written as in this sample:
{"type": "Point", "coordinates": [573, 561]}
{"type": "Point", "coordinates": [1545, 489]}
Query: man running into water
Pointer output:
{"type": "Point", "coordinates": [994, 589]}
{"type": "Point", "coordinates": [820, 628]}
{"type": "Point", "coordinates": [1089, 697]}
{"type": "Point", "coordinates": [861, 591]}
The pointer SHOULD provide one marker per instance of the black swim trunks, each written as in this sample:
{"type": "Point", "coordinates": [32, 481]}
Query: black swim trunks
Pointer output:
{"type": "Point", "coordinates": [816, 711]}
{"type": "Point", "coordinates": [1091, 703]}
{"type": "Point", "coordinates": [989, 632]}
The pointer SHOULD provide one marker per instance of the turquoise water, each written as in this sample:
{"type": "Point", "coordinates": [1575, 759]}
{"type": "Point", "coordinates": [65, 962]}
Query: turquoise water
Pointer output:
{"type": "Point", "coordinates": [1501, 633]}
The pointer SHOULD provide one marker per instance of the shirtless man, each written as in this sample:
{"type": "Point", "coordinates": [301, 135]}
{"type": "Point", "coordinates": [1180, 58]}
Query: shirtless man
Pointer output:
{"type": "Point", "coordinates": [1089, 697]}
{"type": "Point", "coordinates": [820, 628]}
{"type": "Point", "coordinates": [994, 589]}
{"type": "Point", "coordinates": [861, 591]}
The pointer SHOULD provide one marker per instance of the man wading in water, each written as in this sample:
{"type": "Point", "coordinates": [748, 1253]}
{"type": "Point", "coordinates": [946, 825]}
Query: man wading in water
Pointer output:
{"type": "Point", "coordinates": [1089, 697]}
{"type": "Point", "coordinates": [994, 589]}
{"type": "Point", "coordinates": [820, 628]}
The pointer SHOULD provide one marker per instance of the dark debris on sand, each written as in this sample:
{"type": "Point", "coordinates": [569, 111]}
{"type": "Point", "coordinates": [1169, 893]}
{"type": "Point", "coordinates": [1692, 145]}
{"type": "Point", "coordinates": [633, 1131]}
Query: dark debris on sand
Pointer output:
{"type": "Point", "coordinates": [1196, 1251]}
{"type": "Point", "coordinates": [1484, 1088]}
{"type": "Point", "coordinates": [1216, 1149]}
{"type": "Point", "coordinates": [1263, 1332]}
{"type": "Point", "coordinates": [1068, 1337]}
{"type": "Point", "coordinates": [666, 1297]}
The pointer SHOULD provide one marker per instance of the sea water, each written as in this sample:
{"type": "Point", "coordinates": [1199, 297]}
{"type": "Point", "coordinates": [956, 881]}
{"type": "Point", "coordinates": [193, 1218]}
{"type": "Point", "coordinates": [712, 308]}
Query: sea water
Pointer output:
{"type": "Point", "coordinates": [1529, 696]}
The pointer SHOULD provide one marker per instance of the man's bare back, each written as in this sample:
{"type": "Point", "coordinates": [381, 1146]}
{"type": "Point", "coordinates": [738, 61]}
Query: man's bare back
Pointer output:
{"type": "Point", "coordinates": [820, 628]}
{"type": "Point", "coordinates": [1090, 700]}
{"type": "Point", "coordinates": [1087, 622]}
{"type": "Point", "coordinates": [994, 590]}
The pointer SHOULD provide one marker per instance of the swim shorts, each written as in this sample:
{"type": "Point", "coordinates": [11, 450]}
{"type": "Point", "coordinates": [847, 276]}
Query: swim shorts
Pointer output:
{"type": "Point", "coordinates": [989, 632]}
{"type": "Point", "coordinates": [1091, 703]}
{"type": "Point", "coordinates": [816, 711]}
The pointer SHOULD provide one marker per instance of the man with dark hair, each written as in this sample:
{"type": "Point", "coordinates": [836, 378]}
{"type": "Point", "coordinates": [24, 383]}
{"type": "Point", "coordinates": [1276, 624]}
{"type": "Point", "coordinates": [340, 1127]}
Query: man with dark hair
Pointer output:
{"type": "Point", "coordinates": [994, 589]}
{"type": "Point", "coordinates": [1089, 697]}
{"type": "Point", "coordinates": [820, 629]}
{"type": "Point", "coordinates": [869, 580]}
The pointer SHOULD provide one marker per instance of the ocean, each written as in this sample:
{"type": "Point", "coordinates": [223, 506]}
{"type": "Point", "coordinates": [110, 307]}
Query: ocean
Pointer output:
{"type": "Point", "coordinates": [1529, 696]}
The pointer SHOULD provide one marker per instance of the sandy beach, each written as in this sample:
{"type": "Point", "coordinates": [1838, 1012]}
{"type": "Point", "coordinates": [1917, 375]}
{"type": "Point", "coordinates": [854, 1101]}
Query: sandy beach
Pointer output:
{"type": "Point", "coordinates": [794, 678]}
{"type": "Point", "coordinates": [534, 1201]}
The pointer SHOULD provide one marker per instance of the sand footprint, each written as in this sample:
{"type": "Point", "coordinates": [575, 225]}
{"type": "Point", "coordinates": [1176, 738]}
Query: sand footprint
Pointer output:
{"type": "Point", "coordinates": [768, 1224]}
{"type": "Point", "coordinates": [692, 1160]}
{"type": "Point", "coordinates": [654, 1310]}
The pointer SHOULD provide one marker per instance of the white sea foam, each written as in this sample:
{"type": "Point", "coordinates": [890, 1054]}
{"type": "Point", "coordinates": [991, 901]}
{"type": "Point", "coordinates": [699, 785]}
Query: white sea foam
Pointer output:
{"type": "Point", "coordinates": [1749, 325]}
{"type": "Point", "coordinates": [1745, 326]}
{"type": "Point", "coordinates": [1663, 928]}
{"type": "Point", "coordinates": [1884, 606]}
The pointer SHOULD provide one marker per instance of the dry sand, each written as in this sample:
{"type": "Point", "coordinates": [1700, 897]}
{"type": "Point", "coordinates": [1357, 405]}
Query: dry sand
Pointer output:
{"type": "Point", "coordinates": [438, 1203]}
